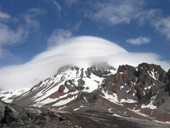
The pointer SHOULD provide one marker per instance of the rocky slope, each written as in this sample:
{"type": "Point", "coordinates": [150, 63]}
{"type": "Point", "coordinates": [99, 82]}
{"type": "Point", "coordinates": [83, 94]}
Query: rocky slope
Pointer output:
{"type": "Point", "coordinates": [141, 92]}
{"type": "Point", "coordinates": [13, 116]}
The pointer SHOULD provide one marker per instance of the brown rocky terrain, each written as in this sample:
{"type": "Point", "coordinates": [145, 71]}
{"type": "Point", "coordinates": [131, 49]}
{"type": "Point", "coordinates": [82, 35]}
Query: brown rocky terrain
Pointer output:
{"type": "Point", "coordinates": [13, 116]}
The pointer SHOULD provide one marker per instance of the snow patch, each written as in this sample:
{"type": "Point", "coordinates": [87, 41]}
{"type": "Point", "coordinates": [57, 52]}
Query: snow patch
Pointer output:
{"type": "Point", "coordinates": [121, 73]}
{"type": "Point", "coordinates": [63, 102]}
{"type": "Point", "coordinates": [61, 108]}
{"type": "Point", "coordinates": [7, 96]}
{"type": "Point", "coordinates": [153, 74]}
{"type": "Point", "coordinates": [92, 85]}
{"type": "Point", "coordinates": [85, 99]}
{"type": "Point", "coordinates": [110, 110]}
{"type": "Point", "coordinates": [116, 115]}
{"type": "Point", "coordinates": [150, 105]}
{"type": "Point", "coordinates": [51, 100]}
{"type": "Point", "coordinates": [79, 108]}
{"type": "Point", "coordinates": [113, 98]}
{"type": "Point", "coordinates": [76, 109]}
{"type": "Point", "coordinates": [128, 101]}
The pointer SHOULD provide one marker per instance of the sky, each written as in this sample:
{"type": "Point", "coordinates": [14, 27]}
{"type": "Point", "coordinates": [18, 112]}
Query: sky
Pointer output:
{"type": "Point", "coordinates": [34, 33]}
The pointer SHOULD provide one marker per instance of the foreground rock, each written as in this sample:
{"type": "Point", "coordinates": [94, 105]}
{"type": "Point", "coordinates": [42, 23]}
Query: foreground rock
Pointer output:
{"type": "Point", "coordinates": [13, 116]}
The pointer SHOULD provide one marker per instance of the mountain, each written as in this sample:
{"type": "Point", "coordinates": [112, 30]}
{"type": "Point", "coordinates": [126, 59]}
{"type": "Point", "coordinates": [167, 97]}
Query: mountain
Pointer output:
{"type": "Point", "coordinates": [68, 83]}
{"type": "Point", "coordinates": [141, 92]}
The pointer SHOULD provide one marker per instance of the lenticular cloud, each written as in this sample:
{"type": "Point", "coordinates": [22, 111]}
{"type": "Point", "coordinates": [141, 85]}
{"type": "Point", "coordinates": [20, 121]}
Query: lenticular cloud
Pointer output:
{"type": "Point", "coordinates": [80, 51]}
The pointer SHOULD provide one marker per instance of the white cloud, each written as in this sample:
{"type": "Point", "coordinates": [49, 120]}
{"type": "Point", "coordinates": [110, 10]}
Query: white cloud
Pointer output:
{"type": "Point", "coordinates": [114, 13]}
{"type": "Point", "coordinates": [31, 22]}
{"type": "Point", "coordinates": [31, 16]}
{"type": "Point", "coordinates": [82, 50]}
{"type": "Point", "coordinates": [123, 12]}
{"type": "Point", "coordinates": [71, 2]}
{"type": "Point", "coordinates": [36, 11]}
{"type": "Point", "coordinates": [163, 26]}
{"type": "Point", "coordinates": [57, 5]}
{"type": "Point", "coordinates": [58, 37]}
{"type": "Point", "coordinates": [2, 52]}
{"type": "Point", "coordinates": [10, 36]}
{"type": "Point", "coordinates": [4, 16]}
{"type": "Point", "coordinates": [139, 41]}
{"type": "Point", "coordinates": [157, 20]}
{"type": "Point", "coordinates": [150, 16]}
{"type": "Point", "coordinates": [77, 26]}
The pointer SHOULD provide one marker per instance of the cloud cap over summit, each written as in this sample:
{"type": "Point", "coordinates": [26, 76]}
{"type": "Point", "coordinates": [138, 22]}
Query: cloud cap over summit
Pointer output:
{"type": "Point", "coordinates": [80, 51]}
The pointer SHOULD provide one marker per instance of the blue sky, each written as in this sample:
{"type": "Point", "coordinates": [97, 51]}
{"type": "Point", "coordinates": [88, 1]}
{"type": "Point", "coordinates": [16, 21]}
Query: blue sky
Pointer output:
{"type": "Point", "coordinates": [39, 36]}
{"type": "Point", "coordinates": [26, 26]}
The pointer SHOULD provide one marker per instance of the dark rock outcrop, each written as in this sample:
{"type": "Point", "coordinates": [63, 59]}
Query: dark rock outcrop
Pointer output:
{"type": "Point", "coordinates": [168, 82]}
{"type": "Point", "coordinates": [100, 69]}
{"type": "Point", "coordinates": [12, 115]}
{"type": "Point", "coordinates": [136, 82]}
{"type": "Point", "coordinates": [2, 111]}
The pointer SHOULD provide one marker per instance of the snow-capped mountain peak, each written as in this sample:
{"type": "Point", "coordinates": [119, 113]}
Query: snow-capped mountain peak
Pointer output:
{"type": "Point", "coordinates": [141, 89]}
{"type": "Point", "coordinates": [67, 84]}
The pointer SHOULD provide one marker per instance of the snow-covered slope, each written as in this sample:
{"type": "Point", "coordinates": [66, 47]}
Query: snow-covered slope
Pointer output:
{"type": "Point", "coordinates": [66, 85]}
{"type": "Point", "coordinates": [9, 95]}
